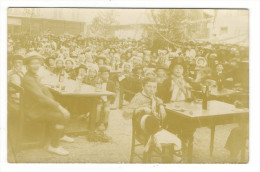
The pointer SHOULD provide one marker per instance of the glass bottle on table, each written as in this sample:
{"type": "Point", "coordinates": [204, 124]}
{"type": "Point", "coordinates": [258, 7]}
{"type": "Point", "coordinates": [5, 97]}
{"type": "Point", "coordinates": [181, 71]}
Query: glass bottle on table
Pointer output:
{"type": "Point", "coordinates": [98, 84]}
{"type": "Point", "coordinates": [61, 76]}
{"type": "Point", "coordinates": [61, 81]}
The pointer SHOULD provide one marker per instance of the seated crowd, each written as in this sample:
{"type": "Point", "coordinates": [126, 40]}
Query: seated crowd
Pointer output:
{"type": "Point", "coordinates": [149, 77]}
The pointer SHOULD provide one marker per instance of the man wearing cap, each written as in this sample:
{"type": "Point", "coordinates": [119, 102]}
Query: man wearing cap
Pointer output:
{"type": "Point", "coordinates": [14, 76]}
{"type": "Point", "coordinates": [17, 72]}
{"type": "Point", "coordinates": [39, 105]}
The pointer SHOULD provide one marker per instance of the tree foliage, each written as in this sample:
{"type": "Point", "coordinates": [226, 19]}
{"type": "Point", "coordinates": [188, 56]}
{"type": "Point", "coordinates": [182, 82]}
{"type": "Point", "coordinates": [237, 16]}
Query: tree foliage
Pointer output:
{"type": "Point", "coordinates": [101, 23]}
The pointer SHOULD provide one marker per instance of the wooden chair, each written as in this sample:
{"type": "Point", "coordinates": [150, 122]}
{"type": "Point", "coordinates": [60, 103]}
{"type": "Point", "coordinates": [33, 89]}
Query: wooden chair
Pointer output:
{"type": "Point", "coordinates": [140, 139]}
{"type": "Point", "coordinates": [25, 125]}
{"type": "Point", "coordinates": [121, 96]}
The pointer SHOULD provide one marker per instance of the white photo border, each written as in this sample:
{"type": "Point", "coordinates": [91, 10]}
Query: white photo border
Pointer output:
{"type": "Point", "coordinates": [254, 151]}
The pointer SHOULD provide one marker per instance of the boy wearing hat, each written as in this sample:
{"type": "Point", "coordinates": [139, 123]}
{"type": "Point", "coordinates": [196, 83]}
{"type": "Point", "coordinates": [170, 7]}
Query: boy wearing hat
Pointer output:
{"type": "Point", "coordinates": [39, 105]}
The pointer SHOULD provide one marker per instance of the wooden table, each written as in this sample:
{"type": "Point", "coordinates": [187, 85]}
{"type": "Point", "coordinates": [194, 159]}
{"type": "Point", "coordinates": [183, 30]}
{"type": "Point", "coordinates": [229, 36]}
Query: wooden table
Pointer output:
{"type": "Point", "coordinates": [187, 117]}
{"type": "Point", "coordinates": [74, 90]}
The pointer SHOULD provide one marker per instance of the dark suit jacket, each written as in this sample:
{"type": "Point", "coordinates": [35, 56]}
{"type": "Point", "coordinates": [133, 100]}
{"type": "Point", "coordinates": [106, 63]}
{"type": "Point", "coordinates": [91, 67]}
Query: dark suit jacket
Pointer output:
{"type": "Point", "coordinates": [164, 91]}
{"type": "Point", "coordinates": [112, 88]}
{"type": "Point", "coordinates": [133, 84]}
{"type": "Point", "coordinates": [38, 101]}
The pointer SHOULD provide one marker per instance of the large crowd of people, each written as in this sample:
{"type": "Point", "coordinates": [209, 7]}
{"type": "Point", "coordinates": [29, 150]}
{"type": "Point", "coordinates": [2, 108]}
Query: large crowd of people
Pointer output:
{"type": "Point", "coordinates": [170, 73]}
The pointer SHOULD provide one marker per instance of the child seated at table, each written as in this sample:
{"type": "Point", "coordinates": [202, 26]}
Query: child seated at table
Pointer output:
{"type": "Point", "coordinates": [92, 73]}
{"type": "Point", "coordinates": [149, 113]}
{"type": "Point", "coordinates": [69, 68]}
{"type": "Point", "coordinates": [103, 108]}
{"type": "Point", "coordinates": [146, 101]}
{"type": "Point", "coordinates": [81, 73]}
{"type": "Point", "coordinates": [59, 66]}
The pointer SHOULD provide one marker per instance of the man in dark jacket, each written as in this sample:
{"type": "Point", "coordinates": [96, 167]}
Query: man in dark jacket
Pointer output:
{"type": "Point", "coordinates": [39, 105]}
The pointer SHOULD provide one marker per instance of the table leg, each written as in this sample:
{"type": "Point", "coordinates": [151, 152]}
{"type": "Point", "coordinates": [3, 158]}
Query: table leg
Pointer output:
{"type": "Point", "coordinates": [93, 113]}
{"type": "Point", "coordinates": [190, 146]}
{"type": "Point", "coordinates": [121, 99]}
{"type": "Point", "coordinates": [212, 136]}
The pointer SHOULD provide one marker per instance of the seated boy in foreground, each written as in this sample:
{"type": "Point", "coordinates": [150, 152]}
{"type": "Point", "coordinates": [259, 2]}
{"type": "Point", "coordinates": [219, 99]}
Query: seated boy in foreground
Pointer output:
{"type": "Point", "coordinates": [150, 114]}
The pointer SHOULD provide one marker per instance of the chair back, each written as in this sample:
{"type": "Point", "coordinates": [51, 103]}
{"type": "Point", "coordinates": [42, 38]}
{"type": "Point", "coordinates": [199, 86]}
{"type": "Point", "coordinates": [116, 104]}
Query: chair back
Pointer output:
{"type": "Point", "coordinates": [13, 89]}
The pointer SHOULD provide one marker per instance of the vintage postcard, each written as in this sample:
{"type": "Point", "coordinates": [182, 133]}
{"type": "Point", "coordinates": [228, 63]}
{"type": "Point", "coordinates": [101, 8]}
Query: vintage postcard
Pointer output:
{"type": "Point", "coordinates": [108, 85]}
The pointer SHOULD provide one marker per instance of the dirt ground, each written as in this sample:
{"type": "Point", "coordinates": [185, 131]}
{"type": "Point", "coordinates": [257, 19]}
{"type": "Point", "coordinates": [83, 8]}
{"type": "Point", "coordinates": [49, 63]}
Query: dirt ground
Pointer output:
{"type": "Point", "coordinates": [118, 150]}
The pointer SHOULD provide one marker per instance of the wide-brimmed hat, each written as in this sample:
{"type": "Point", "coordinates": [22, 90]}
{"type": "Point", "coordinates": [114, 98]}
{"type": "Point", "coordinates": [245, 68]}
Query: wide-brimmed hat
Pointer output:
{"type": "Point", "coordinates": [164, 67]}
{"type": "Point", "coordinates": [201, 62]}
{"type": "Point", "coordinates": [32, 55]}
{"type": "Point", "coordinates": [149, 124]}
{"type": "Point", "coordinates": [59, 59]}
{"type": "Point", "coordinates": [81, 66]}
{"type": "Point", "coordinates": [71, 60]}
{"type": "Point", "coordinates": [48, 58]}
{"type": "Point", "coordinates": [103, 69]}
{"type": "Point", "coordinates": [100, 57]}
{"type": "Point", "coordinates": [136, 68]}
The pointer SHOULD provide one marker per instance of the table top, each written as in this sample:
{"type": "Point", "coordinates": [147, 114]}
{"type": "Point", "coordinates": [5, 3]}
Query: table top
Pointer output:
{"type": "Point", "coordinates": [215, 108]}
{"type": "Point", "coordinates": [85, 90]}
{"type": "Point", "coordinates": [73, 88]}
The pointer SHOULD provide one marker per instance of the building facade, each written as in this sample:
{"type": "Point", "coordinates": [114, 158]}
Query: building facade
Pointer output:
{"type": "Point", "coordinates": [37, 20]}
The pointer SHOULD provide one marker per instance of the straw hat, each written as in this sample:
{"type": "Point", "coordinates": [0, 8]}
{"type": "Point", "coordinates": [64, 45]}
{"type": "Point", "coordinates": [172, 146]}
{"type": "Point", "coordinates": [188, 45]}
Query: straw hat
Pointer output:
{"type": "Point", "coordinates": [149, 124]}
{"type": "Point", "coordinates": [201, 62]}
{"type": "Point", "coordinates": [32, 55]}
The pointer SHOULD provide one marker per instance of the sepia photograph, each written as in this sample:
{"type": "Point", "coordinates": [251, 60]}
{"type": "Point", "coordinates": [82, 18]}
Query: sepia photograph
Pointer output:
{"type": "Point", "coordinates": [128, 85]}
